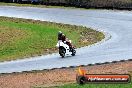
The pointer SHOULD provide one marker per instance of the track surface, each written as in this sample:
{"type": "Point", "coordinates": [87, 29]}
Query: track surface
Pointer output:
{"type": "Point", "coordinates": [118, 24]}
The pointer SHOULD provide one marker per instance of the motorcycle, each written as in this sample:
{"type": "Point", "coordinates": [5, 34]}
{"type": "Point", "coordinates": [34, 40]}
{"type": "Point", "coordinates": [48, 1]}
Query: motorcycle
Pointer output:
{"type": "Point", "coordinates": [64, 49]}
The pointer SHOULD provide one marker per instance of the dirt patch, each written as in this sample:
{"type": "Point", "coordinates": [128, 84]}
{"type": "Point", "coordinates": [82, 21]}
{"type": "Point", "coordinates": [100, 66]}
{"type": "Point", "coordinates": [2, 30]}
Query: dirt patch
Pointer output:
{"type": "Point", "coordinates": [87, 37]}
{"type": "Point", "coordinates": [59, 76]}
{"type": "Point", "coordinates": [8, 35]}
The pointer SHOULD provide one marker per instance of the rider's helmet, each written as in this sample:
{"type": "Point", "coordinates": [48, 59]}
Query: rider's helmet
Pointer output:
{"type": "Point", "coordinates": [59, 33]}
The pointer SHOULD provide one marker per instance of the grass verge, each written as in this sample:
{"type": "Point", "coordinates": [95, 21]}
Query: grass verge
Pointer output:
{"type": "Point", "coordinates": [33, 5]}
{"type": "Point", "coordinates": [20, 38]}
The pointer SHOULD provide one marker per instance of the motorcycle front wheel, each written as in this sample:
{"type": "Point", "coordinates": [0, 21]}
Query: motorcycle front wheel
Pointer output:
{"type": "Point", "coordinates": [62, 52]}
{"type": "Point", "coordinates": [73, 52]}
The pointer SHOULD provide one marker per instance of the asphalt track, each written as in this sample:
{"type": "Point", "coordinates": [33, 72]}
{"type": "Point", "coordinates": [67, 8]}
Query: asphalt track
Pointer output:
{"type": "Point", "coordinates": [117, 25]}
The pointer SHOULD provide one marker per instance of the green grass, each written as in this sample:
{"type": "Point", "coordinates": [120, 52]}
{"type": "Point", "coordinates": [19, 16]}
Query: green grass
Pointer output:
{"type": "Point", "coordinates": [40, 6]}
{"type": "Point", "coordinates": [43, 6]}
{"type": "Point", "coordinates": [20, 38]}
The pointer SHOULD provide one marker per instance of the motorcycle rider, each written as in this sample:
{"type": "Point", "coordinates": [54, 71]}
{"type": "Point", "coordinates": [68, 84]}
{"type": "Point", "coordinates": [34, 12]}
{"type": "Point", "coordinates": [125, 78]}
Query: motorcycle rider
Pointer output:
{"type": "Point", "coordinates": [63, 38]}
